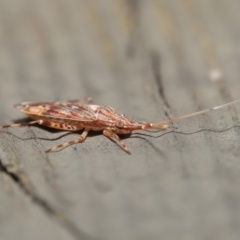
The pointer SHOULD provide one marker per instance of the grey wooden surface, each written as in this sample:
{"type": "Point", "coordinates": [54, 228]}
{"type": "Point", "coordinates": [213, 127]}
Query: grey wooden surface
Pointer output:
{"type": "Point", "coordinates": [149, 59]}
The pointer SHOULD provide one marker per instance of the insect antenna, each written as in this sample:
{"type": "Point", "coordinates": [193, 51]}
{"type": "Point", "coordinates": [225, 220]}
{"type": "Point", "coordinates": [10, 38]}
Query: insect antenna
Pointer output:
{"type": "Point", "coordinates": [159, 125]}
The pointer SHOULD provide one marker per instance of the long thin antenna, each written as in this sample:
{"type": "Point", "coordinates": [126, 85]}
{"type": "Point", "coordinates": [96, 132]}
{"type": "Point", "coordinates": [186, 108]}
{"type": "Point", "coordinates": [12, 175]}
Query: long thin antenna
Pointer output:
{"type": "Point", "coordinates": [159, 124]}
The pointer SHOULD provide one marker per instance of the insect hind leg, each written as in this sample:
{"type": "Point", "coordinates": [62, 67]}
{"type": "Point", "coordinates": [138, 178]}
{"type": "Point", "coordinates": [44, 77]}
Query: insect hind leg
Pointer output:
{"type": "Point", "coordinates": [59, 147]}
{"type": "Point", "coordinates": [21, 124]}
{"type": "Point", "coordinates": [110, 134]}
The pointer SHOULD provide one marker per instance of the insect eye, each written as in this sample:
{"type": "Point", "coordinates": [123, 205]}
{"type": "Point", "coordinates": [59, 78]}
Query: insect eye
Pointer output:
{"type": "Point", "coordinates": [119, 123]}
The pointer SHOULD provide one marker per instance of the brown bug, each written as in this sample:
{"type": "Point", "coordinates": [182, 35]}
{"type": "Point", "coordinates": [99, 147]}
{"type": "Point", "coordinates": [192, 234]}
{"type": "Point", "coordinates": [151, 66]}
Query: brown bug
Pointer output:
{"type": "Point", "coordinates": [76, 115]}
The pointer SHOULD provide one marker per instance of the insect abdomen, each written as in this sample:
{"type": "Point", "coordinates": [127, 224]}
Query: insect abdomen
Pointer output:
{"type": "Point", "coordinates": [58, 123]}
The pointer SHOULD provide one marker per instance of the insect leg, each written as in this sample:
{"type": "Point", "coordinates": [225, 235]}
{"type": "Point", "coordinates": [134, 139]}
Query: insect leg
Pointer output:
{"type": "Point", "coordinates": [88, 100]}
{"type": "Point", "coordinates": [21, 124]}
{"type": "Point", "coordinates": [110, 134]}
{"type": "Point", "coordinates": [80, 139]}
{"type": "Point", "coordinates": [81, 100]}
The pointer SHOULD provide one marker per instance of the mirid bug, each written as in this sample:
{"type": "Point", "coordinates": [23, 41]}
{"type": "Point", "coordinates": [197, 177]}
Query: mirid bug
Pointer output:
{"type": "Point", "coordinates": [78, 115]}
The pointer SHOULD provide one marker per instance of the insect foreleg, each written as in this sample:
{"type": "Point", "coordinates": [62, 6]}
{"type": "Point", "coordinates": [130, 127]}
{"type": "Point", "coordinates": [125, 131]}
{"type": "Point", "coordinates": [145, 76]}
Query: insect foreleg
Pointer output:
{"type": "Point", "coordinates": [110, 134]}
{"type": "Point", "coordinates": [21, 124]}
{"type": "Point", "coordinates": [80, 139]}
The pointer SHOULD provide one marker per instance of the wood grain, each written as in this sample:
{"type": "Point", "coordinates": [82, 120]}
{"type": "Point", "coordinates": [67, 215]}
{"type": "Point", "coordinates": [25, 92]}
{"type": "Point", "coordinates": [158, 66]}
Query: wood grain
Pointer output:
{"type": "Point", "coordinates": [150, 60]}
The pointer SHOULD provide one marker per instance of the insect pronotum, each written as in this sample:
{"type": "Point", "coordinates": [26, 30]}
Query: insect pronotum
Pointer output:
{"type": "Point", "coordinates": [81, 114]}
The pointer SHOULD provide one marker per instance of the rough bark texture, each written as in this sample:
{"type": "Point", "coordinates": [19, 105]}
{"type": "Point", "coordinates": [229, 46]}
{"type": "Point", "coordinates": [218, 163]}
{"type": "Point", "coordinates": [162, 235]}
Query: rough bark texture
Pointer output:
{"type": "Point", "coordinates": [149, 59]}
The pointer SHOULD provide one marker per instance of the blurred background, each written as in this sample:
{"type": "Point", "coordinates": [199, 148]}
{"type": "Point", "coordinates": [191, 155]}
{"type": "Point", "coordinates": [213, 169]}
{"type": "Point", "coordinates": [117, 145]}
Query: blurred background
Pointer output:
{"type": "Point", "coordinates": [149, 59]}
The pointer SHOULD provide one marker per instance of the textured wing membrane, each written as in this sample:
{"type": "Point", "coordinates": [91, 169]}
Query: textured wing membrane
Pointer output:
{"type": "Point", "coordinates": [28, 104]}
{"type": "Point", "coordinates": [68, 110]}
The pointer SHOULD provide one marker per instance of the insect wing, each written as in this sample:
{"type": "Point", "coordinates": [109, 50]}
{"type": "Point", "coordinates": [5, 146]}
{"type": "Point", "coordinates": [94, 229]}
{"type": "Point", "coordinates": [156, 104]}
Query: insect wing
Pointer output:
{"type": "Point", "coordinates": [31, 104]}
{"type": "Point", "coordinates": [76, 110]}
{"type": "Point", "coordinates": [61, 110]}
